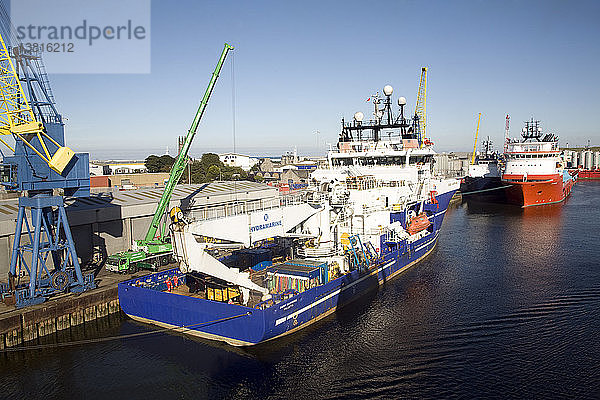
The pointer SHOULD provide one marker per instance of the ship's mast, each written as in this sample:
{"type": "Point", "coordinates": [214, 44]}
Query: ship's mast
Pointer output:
{"type": "Point", "coordinates": [384, 118]}
{"type": "Point", "coordinates": [532, 130]}
{"type": "Point", "coordinates": [487, 147]}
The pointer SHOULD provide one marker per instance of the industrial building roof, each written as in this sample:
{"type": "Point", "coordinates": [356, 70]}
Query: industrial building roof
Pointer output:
{"type": "Point", "coordinates": [143, 201]}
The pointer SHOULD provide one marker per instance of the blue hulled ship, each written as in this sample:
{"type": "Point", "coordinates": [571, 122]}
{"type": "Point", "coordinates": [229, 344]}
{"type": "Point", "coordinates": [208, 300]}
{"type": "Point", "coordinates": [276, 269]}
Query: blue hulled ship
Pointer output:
{"type": "Point", "coordinates": [256, 267]}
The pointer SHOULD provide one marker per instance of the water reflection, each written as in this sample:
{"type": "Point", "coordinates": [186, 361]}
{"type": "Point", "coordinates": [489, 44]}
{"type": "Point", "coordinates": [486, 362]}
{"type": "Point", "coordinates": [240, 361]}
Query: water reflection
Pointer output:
{"type": "Point", "coordinates": [507, 305]}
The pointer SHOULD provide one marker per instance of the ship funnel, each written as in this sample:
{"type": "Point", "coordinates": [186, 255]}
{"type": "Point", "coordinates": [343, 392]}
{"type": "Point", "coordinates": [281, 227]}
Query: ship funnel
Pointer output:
{"type": "Point", "coordinates": [358, 116]}
{"type": "Point", "coordinates": [388, 90]}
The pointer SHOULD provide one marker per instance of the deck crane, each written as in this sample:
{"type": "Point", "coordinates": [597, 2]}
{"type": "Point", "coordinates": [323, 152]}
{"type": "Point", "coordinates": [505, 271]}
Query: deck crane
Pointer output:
{"type": "Point", "coordinates": [420, 109]}
{"type": "Point", "coordinates": [155, 247]}
{"type": "Point", "coordinates": [476, 136]}
{"type": "Point", "coordinates": [40, 165]}
{"type": "Point", "coordinates": [506, 137]}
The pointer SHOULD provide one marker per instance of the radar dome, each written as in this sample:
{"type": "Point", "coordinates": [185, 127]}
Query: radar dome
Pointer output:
{"type": "Point", "coordinates": [358, 116]}
{"type": "Point", "coordinates": [402, 101]}
{"type": "Point", "coordinates": [388, 90]}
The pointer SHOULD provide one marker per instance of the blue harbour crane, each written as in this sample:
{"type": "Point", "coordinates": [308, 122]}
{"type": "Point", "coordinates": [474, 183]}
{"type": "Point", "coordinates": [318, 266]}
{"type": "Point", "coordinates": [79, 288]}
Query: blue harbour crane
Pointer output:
{"type": "Point", "coordinates": [43, 170]}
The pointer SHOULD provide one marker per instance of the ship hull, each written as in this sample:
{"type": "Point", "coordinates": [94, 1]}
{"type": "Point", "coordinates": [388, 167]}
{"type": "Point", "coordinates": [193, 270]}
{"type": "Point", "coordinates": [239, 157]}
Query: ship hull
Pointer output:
{"type": "Point", "coordinates": [243, 326]}
{"type": "Point", "coordinates": [589, 174]}
{"type": "Point", "coordinates": [486, 189]}
{"type": "Point", "coordinates": [538, 190]}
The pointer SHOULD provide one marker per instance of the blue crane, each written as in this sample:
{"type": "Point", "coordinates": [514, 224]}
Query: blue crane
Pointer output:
{"type": "Point", "coordinates": [44, 171]}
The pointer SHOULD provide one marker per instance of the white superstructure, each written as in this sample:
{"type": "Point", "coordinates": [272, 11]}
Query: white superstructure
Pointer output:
{"type": "Point", "coordinates": [381, 170]}
{"type": "Point", "coordinates": [534, 156]}
{"type": "Point", "coordinates": [486, 163]}
{"type": "Point", "coordinates": [378, 167]}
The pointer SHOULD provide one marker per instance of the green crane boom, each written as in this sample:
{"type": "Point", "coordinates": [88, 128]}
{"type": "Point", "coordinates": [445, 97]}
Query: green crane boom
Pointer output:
{"type": "Point", "coordinates": [155, 250]}
{"type": "Point", "coordinates": [181, 162]}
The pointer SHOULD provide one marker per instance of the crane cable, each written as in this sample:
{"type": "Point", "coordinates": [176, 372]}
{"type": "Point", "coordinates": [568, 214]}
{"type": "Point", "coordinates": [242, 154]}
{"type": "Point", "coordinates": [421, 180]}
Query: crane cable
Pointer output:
{"type": "Point", "coordinates": [117, 337]}
{"type": "Point", "coordinates": [233, 117]}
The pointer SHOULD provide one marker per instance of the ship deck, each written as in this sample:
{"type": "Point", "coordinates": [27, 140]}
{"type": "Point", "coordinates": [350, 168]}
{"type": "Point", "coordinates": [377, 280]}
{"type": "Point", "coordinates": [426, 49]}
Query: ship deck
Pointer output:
{"type": "Point", "coordinates": [257, 277]}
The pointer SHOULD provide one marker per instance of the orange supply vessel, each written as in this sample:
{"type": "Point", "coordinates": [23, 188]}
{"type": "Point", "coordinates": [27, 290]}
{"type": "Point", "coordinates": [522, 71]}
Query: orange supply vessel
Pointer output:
{"type": "Point", "coordinates": [535, 169]}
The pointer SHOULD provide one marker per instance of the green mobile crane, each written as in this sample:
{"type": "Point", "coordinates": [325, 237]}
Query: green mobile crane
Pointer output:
{"type": "Point", "coordinates": [156, 249]}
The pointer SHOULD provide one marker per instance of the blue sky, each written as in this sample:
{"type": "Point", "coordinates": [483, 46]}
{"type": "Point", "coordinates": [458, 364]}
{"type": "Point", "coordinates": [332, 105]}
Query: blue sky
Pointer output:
{"type": "Point", "coordinates": [301, 66]}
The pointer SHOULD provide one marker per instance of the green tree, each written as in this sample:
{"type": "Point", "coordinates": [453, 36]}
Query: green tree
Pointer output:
{"type": "Point", "coordinates": [152, 163]}
{"type": "Point", "coordinates": [166, 163]}
{"type": "Point", "coordinates": [209, 159]}
{"type": "Point", "coordinates": [209, 168]}
{"type": "Point", "coordinates": [155, 163]}
{"type": "Point", "coordinates": [213, 172]}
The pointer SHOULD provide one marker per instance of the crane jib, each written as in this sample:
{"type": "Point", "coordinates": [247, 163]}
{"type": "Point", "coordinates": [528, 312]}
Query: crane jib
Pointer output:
{"type": "Point", "coordinates": [181, 161]}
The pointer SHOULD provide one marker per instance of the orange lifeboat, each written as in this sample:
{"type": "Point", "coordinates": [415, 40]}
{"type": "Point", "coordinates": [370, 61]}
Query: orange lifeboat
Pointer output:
{"type": "Point", "coordinates": [418, 223]}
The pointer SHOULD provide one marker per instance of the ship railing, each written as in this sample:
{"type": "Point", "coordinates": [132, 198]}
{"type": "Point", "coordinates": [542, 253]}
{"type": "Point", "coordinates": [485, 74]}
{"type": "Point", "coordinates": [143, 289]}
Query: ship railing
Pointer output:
{"type": "Point", "coordinates": [352, 228]}
{"type": "Point", "coordinates": [375, 231]}
{"type": "Point", "coordinates": [232, 209]}
{"type": "Point", "coordinates": [339, 201]}
{"type": "Point", "coordinates": [317, 252]}
{"type": "Point", "coordinates": [399, 183]}
{"type": "Point", "coordinates": [317, 198]}
{"type": "Point", "coordinates": [369, 209]}
{"type": "Point", "coordinates": [378, 183]}
{"type": "Point", "coordinates": [293, 199]}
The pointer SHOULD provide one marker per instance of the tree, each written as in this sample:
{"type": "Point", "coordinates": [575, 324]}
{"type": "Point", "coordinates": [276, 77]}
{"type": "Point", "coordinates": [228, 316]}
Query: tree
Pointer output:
{"type": "Point", "coordinates": [166, 163]}
{"type": "Point", "coordinates": [208, 168]}
{"type": "Point", "coordinates": [155, 163]}
{"type": "Point", "coordinates": [152, 163]}
{"type": "Point", "coordinates": [209, 159]}
{"type": "Point", "coordinates": [213, 172]}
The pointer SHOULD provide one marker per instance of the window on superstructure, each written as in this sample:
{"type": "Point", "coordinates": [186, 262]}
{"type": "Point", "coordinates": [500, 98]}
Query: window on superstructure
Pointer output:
{"type": "Point", "coordinates": [336, 162]}
{"type": "Point", "coordinates": [416, 159]}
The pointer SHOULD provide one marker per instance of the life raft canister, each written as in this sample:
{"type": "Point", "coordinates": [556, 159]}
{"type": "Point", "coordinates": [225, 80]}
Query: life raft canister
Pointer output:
{"type": "Point", "coordinates": [418, 223]}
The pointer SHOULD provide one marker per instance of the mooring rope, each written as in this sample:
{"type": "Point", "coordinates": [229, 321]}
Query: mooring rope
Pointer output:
{"type": "Point", "coordinates": [117, 337]}
{"type": "Point", "coordinates": [486, 190]}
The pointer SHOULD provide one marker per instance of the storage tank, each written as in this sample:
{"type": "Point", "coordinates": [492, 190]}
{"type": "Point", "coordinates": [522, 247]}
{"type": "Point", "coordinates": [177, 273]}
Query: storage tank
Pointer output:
{"type": "Point", "coordinates": [568, 157]}
{"type": "Point", "coordinates": [587, 159]}
{"type": "Point", "coordinates": [575, 159]}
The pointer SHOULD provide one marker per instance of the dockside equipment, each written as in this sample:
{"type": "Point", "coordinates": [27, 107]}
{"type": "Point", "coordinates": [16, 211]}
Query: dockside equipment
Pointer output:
{"type": "Point", "coordinates": [156, 248]}
{"type": "Point", "coordinates": [40, 166]}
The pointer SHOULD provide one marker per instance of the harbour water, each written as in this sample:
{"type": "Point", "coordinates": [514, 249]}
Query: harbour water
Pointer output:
{"type": "Point", "coordinates": [506, 306]}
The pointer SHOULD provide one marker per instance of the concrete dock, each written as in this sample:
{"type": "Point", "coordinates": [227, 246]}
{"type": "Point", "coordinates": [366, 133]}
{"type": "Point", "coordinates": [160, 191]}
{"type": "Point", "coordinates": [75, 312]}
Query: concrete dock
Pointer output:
{"type": "Point", "coordinates": [19, 326]}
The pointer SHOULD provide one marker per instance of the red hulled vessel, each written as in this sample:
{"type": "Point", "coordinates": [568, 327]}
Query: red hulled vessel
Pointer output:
{"type": "Point", "coordinates": [589, 174]}
{"type": "Point", "coordinates": [535, 169]}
